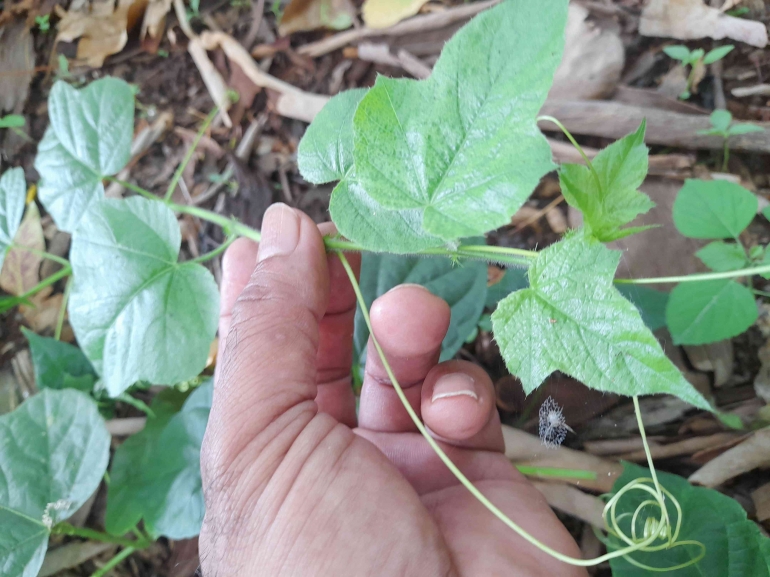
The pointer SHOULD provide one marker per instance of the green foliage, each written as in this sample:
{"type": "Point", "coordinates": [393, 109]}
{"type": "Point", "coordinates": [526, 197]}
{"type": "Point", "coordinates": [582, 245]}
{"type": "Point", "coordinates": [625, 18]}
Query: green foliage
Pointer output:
{"type": "Point", "coordinates": [722, 125]}
{"type": "Point", "coordinates": [138, 313]}
{"type": "Point", "coordinates": [12, 121]}
{"type": "Point", "coordinates": [13, 192]}
{"type": "Point", "coordinates": [156, 473]}
{"type": "Point", "coordinates": [721, 256]}
{"type": "Point", "coordinates": [695, 58]}
{"type": "Point", "coordinates": [709, 311]}
{"type": "Point", "coordinates": [733, 543]}
{"type": "Point", "coordinates": [89, 138]}
{"type": "Point", "coordinates": [607, 195]}
{"type": "Point", "coordinates": [572, 319]}
{"type": "Point", "coordinates": [53, 455]}
{"type": "Point", "coordinates": [59, 365]}
{"type": "Point", "coordinates": [456, 179]}
{"type": "Point", "coordinates": [713, 310]}
{"type": "Point", "coordinates": [650, 303]}
{"type": "Point", "coordinates": [43, 22]}
{"type": "Point", "coordinates": [713, 209]}
{"type": "Point", "coordinates": [325, 153]}
{"type": "Point", "coordinates": [463, 286]}
{"type": "Point", "coordinates": [513, 280]}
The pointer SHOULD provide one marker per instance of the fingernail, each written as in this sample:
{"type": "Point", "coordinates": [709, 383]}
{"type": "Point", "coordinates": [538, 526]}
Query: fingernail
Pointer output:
{"type": "Point", "coordinates": [280, 232]}
{"type": "Point", "coordinates": [454, 385]}
{"type": "Point", "coordinates": [408, 284]}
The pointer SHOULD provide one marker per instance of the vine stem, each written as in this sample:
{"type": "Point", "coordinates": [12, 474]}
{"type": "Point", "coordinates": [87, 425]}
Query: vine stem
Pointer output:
{"type": "Point", "coordinates": [114, 562]}
{"type": "Point", "coordinates": [190, 151]}
{"type": "Point", "coordinates": [497, 254]}
{"type": "Point", "coordinates": [42, 253]}
{"type": "Point", "coordinates": [93, 535]}
{"type": "Point", "coordinates": [647, 453]}
{"type": "Point", "coordinates": [62, 310]}
{"type": "Point", "coordinates": [453, 468]}
{"type": "Point", "coordinates": [574, 142]}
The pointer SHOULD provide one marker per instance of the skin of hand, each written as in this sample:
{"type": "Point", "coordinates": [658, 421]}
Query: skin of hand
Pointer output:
{"type": "Point", "coordinates": [295, 484]}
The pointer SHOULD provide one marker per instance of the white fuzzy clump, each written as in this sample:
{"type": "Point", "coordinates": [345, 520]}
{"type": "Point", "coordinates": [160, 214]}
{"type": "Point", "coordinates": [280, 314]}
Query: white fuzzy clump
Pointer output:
{"type": "Point", "coordinates": [553, 428]}
{"type": "Point", "coordinates": [51, 508]}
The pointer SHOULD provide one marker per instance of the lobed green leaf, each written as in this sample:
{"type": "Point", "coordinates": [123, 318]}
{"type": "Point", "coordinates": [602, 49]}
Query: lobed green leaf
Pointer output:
{"type": "Point", "coordinates": [89, 138]}
{"type": "Point", "coordinates": [53, 454]}
{"type": "Point", "coordinates": [713, 209]}
{"type": "Point", "coordinates": [572, 319]}
{"type": "Point", "coordinates": [709, 311]}
{"type": "Point", "coordinates": [608, 195]}
{"type": "Point", "coordinates": [13, 193]}
{"type": "Point", "coordinates": [454, 155]}
{"type": "Point", "coordinates": [138, 313]}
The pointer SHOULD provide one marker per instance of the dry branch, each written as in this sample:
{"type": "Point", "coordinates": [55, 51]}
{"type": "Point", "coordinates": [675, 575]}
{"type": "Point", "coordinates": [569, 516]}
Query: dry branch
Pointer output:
{"type": "Point", "coordinates": [615, 120]}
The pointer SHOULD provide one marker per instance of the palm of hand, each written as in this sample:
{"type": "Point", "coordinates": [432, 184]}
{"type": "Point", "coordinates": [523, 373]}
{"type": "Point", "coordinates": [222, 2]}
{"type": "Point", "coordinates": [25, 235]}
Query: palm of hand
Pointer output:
{"type": "Point", "coordinates": [293, 489]}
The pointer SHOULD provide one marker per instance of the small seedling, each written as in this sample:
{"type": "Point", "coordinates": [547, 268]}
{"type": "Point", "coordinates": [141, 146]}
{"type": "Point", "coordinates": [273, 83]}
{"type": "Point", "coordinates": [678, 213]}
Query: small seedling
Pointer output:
{"type": "Point", "coordinates": [43, 22]}
{"type": "Point", "coordinates": [695, 59]}
{"type": "Point", "coordinates": [14, 122]}
{"type": "Point", "coordinates": [722, 125]}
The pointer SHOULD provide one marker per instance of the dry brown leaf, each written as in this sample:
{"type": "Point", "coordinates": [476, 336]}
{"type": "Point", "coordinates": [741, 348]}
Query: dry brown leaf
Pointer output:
{"type": "Point", "coordinates": [155, 18]}
{"type": "Point", "coordinates": [43, 315]}
{"type": "Point", "coordinates": [384, 13]}
{"type": "Point", "coordinates": [761, 498]}
{"type": "Point", "coordinates": [21, 269]}
{"type": "Point", "coordinates": [17, 64]}
{"type": "Point", "coordinates": [691, 19]}
{"type": "Point", "coordinates": [292, 103]}
{"type": "Point", "coordinates": [593, 59]}
{"type": "Point", "coordinates": [752, 453]}
{"type": "Point", "coordinates": [211, 78]}
{"type": "Point", "coordinates": [101, 27]}
{"type": "Point", "coordinates": [574, 502]}
{"type": "Point", "coordinates": [302, 15]}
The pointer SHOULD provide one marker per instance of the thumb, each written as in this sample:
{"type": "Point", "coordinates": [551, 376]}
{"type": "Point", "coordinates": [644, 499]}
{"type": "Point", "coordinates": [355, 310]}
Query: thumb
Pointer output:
{"type": "Point", "coordinates": [269, 364]}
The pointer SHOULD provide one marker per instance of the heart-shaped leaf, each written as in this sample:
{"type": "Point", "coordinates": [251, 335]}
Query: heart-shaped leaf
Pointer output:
{"type": "Point", "coordinates": [131, 486]}
{"type": "Point", "coordinates": [53, 454]}
{"type": "Point", "coordinates": [463, 287]}
{"type": "Point", "coordinates": [462, 148]}
{"type": "Point", "coordinates": [572, 319]}
{"type": "Point", "coordinates": [713, 209]}
{"type": "Point", "coordinates": [88, 139]}
{"type": "Point", "coordinates": [138, 313]}
{"type": "Point", "coordinates": [156, 473]}
{"type": "Point", "coordinates": [13, 192]}
{"type": "Point", "coordinates": [709, 311]}
{"type": "Point", "coordinates": [54, 361]}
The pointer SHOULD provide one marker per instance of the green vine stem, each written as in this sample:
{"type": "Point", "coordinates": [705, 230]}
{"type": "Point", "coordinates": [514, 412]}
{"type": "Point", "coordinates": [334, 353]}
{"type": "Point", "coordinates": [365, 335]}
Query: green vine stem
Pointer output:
{"type": "Point", "coordinates": [42, 253]}
{"type": "Point", "coordinates": [65, 271]}
{"type": "Point", "coordinates": [190, 151]}
{"type": "Point", "coordinates": [93, 535]}
{"type": "Point", "coordinates": [574, 142]}
{"type": "Point", "coordinates": [655, 528]}
{"type": "Point", "coordinates": [63, 310]}
{"type": "Point", "coordinates": [114, 562]}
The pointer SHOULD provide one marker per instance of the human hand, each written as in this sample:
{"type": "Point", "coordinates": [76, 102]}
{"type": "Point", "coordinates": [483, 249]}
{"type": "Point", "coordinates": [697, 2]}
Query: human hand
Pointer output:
{"type": "Point", "coordinates": [293, 487]}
